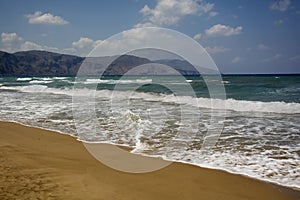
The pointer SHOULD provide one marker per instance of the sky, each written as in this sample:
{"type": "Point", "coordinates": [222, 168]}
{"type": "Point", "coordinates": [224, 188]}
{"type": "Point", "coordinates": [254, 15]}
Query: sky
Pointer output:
{"type": "Point", "coordinates": [252, 36]}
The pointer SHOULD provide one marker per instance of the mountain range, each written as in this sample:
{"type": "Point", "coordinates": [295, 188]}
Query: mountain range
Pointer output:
{"type": "Point", "coordinates": [43, 63]}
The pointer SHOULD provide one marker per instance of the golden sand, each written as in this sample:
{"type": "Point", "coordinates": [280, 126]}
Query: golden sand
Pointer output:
{"type": "Point", "coordinates": [40, 164]}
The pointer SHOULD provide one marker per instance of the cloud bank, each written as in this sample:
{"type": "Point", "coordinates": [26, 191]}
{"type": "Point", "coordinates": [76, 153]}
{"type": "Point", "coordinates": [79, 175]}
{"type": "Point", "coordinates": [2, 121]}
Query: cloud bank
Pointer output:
{"type": "Point", "coordinates": [45, 18]}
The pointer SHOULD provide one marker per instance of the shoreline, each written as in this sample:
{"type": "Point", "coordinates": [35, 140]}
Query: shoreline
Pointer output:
{"type": "Point", "coordinates": [128, 149]}
{"type": "Point", "coordinates": [39, 162]}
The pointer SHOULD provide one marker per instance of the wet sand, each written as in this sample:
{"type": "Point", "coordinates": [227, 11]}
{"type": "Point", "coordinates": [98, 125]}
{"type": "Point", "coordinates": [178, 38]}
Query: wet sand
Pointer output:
{"type": "Point", "coordinates": [40, 164]}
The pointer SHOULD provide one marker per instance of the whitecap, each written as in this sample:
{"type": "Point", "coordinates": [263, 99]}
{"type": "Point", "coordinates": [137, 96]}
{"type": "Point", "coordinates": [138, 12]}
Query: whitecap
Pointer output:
{"type": "Point", "coordinates": [39, 81]}
{"type": "Point", "coordinates": [24, 79]}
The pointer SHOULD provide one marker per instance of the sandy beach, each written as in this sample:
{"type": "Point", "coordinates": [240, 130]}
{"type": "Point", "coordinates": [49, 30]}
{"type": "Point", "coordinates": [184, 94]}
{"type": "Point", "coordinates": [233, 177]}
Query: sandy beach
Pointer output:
{"type": "Point", "coordinates": [40, 164]}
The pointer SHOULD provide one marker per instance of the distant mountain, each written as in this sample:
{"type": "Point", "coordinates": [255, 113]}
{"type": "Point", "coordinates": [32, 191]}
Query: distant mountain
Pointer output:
{"type": "Point", "coordinates": [42, 63]}
{"type": "Point", "coordinates": [35, 63]}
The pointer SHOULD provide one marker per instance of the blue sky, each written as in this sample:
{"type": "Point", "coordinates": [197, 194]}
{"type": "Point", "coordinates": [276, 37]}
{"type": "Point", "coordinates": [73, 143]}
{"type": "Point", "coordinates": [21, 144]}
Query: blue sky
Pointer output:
{"type": "Point", "coordinates": [251, 36]}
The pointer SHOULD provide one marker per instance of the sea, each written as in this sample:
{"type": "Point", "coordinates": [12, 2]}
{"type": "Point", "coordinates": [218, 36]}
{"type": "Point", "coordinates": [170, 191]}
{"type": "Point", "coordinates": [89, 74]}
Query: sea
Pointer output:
{"type": "Point", "coordinates": [260, 123]}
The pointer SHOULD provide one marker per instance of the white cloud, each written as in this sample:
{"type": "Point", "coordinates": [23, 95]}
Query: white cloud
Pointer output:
{"type": "Point", "coordinates": [223, 30]}
{"type": "Point", "coordinates": [236, 60]}
{"type": "Point", "coordinates": [27, 45]}
{"type": "Point", "coordinates": [10, 38]}
{"type": "Point", "coordinates": [146, 10]}
{"type": "Point", "coordinates": [84, 45]}
{"type": "Point", "coordinates": [47, 18]}
{"type": "Point", "coordinates": [273, 58]}
{"type": "Point", "coordinates": [282, 5]}
{"type": "Point", "coordinates": [97, 42]}
{"type": "Point", "coordinates": [262, 47]}
{"type": "Point", "coordinates": [217, 49]}
{"type": "Point", "coordinates": [197, 36]}
{"type": "Point", "coordinates": [10, 42]}
{"type": "Point", "coordinates": [83, 42]}
{"type": "Point", "coordinates": [142, 25]}
{"type": "Point", "coordinates": [170, 12]}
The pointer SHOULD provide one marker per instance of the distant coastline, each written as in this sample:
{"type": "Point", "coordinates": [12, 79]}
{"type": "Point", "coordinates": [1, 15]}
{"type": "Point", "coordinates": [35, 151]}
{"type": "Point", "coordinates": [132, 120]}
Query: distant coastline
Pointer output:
{"type": "Point", "coordinates": [44, 63]}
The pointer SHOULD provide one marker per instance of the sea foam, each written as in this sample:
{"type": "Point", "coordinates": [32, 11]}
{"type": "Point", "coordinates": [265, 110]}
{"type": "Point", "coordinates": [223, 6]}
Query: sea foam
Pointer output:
{"type": "Point", "coordinates": [230, 104]}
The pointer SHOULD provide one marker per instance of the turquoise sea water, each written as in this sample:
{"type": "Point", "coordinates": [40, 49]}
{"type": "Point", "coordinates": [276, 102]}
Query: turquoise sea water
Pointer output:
{"type": "Point", "coordinates": [260, 125]}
